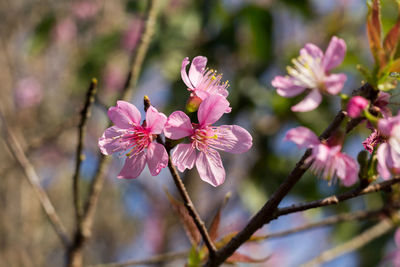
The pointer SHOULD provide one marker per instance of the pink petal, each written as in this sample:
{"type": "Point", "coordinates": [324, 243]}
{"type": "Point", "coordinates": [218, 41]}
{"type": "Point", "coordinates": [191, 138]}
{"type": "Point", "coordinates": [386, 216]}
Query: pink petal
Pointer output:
{"type": "Point", "coordinates": [302, 137]}
{"type": "Point", "coordinates": [155, 120]}
{"type": "Point", "coordinates": [157, 158]}
{"type": "Point", "coordinates": [348, 172]}
{"type": "Point", "coordinates": [124, 114]}
{"type": "Point", "coordinates": [312, 50]}
{"type": "Point", "coordinates": [383, 155]}
{"type": "Point", "coordinates": [334, 54]}
{"type": "Point", "coordinates": [386, 125]}
{"type": "Point", "coordinates": [196, 70]}
{"type": "Point", "coordinates": [310, 102]}
{"type": "Point", "coordinates": [178, 126]}
{"type": "Point", "coordinates": [202, 94]}
{"type": "Point", "coordinates": [334, 83]}
{"type": "Point", "coordinates": [210, 168]}
{"type": "Point", "coordinates": [212, 109]}
{"type": "Point", "coordinates": [285, 87]}
{"type": "Point", "coordinates": [109, 144]}
{"type": "Point", "coordinates": [232, 139]}
{"type": "Point", "coordinates": [133, 166]}
{"type": "Point", "coordinates": [184, 157]}
{"type": "Point", "coordinates": [322, 153]}
{"type": "Point", "coordinates": [184, 75]}
{"type": "Point", "coordinates": [356, 105]}
{"type": "Point", "coordinates": [397, 238]}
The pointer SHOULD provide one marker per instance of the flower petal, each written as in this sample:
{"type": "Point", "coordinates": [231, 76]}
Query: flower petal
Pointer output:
{"type": "Point", "coordinates": [178, 126]}
{"type": "Point", "coordinates": [133, 166]}
{"type": "Point", "coordinates": [109, 143]}
{"type": "Point", "coordinates": [383, 155]}
{"type": "Point", "coordinates": [184, 75]}
{"type": "Point", "coordinates": [210, 168]}
{"type": "Point", "coordinates": [124, 114]}
{"type": "Point", "coordinates": [155, 121]}
{"type": "Point", "coordinates": [334, 54]}
{"type": "Point", "coordinates": [211, 109]}
{"type": "Point", "coordinates": [310, 102]}
{"type": "Point", "coordinates": [196, 69]}
{"type": "Point", "coordinates": [184, 157]}
{"type": "Point", "coordinates": [232, 139]}
{"type": "Point", "coordinates": [348, 170]}
{"type": "Point", "coordinates": [334, 83]}
{"type": "Point", "coordinates": [285, 86]}
{"type": "Point", "coordinates": [157, 158]}
{"type": "Point", "coordinates": [302, 137]}
{"type": "Point", "coordinates": [312, 50]}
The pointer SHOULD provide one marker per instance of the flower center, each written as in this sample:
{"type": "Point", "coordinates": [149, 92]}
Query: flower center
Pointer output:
{"type": "Point", "coordinates": [307, 71]}
{"type": "Point", "coordinates": [136, 139]}
{"type": "Point", "coordinates": [203, 138]}
{"type": "Point", "coordinates": [211, 82]}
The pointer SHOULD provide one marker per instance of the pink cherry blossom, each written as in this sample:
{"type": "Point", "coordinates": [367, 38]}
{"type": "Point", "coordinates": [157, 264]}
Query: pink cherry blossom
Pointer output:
{"type": "Point", "coordinates": [356, 105]}
{"type": "Point", "coordinates": [311, 72]}
{"type": "Point", "coordinates": [85, 9]}
{"type": "Point", "coordinates": [389, 153]}
{"type": "Point", "coordinates": [132, 35]}
{"type": "Point", "coordinates": [201, 81]}
{"type": "Point", "coordinates": [373, 140]}
{"type": "Point", "coordinates": [327, 160]}
{"type": "Point", "coordinates": [135, 139]}
{"type": "Point", "coordinates": [205, 138]}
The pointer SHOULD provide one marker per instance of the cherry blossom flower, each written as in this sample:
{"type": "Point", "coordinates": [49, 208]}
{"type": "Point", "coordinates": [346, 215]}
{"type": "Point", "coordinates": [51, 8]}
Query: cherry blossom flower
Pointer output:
{"type": "Point", "coordinates": [389, 153]}
{"type": "Point", "coordinates": [382, 102]}
{"type": "Point", "coordinates": [135, 139]}
{"type": "Point", "coordinates": [373, 140]}
{"type": "Point", "coordinates": [356, 105]}
{"type": "Point", "coordinates": [205, 138]}
{"type": "Point", "coordinates": [201, 81]}
{"type": "Point", "coordinates": [327, 160]}
{"type": "Point", "coordinates": [311, 72]}
{"type": "Point", "coordinates": [132, 35]}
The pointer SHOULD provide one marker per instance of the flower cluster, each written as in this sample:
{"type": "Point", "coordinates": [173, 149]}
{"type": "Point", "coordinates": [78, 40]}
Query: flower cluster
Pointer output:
{"type": "Point", "coordinates": [139, 141]}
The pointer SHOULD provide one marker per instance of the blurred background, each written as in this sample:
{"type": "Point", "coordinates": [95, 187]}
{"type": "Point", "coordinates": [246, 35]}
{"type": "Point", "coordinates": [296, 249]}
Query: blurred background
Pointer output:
{"type": "Point", "coordinates": [51, 49]}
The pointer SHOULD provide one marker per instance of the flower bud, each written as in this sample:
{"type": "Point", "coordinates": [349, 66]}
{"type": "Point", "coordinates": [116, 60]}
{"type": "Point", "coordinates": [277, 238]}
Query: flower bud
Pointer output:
{"type": "Point", "coordinates": [356, 105]}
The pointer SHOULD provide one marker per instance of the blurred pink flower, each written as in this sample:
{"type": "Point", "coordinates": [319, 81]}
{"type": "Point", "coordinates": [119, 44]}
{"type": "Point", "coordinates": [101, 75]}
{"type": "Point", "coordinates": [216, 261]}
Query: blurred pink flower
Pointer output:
{"type": "Point", "coordinates": [205, 138]}
{"type": "Point", "coordinates": [382, 102]}
{"type": "Point", "coordinates": [85, 9]}
{"type": "Point", "coordinates": [389, 153]}
{"type": "Point", "coordinates": [373, 140]}
{"type": "Point", "coordinates": [65, 30]}
{"type": "Point", "coordinates": [203, 82]}
{"type": "Point", "coordinates": [312, 71]}
{"type": "Point", "coordinates": [28, 92]}
{"type": "Point", "coordinates": [356, 105]}
{"type": "Point", "coordinates": [128, 135]}
{"type": "Point", "coordinates": [132, 35]}
{"type": "Point", "coordinates": [328, 161]}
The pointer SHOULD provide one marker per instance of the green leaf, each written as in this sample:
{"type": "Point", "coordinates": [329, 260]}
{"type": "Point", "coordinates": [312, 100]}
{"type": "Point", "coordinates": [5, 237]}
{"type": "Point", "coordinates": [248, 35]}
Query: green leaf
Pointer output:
{"type": "Point", "coordinates": [194, 259]}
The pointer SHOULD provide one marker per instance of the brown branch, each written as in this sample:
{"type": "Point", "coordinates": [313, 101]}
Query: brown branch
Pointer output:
{"type": "Point", "coordinates": [335, 199]}
{"type": "Point", "coordinates": [85, 113]}
{"type": "Point", "coordinates": [191, 209]}
{"type": "Point", "coordinates": [353, 244]}
{"type": "Point", "coordinates": [352, 216]}
{"type": "Point", "coordinates": [153, 260]}
{"type": "Point", "coordinates": [267, 212]}
{"type": "Point", "coordinates": [33, 179]}
{"type": "Point", "coordinates": [74, 258]}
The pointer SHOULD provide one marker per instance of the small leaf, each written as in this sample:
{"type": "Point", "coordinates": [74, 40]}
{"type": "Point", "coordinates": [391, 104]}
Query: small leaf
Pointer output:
{"type": "Point", "coordinates": [213, 232]}
{"type": "Point", "coordinates": [238, 257]}
{"type": "Point", "coordinates": [190, 227]}
{"type": "Point", "coordinates": [392, 39]}
{"type": "Point", "coordinates": [194, 258]}
{"type": "Point", "coordinates": [395, 66]}
{"type": "Point", "coordinates": [374, 32]}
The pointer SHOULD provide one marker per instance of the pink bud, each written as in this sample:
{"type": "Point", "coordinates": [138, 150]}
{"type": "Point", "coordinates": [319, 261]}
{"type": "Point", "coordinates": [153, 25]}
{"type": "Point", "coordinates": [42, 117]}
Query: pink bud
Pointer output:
{"type": "Point", "coordinates": [356, 105]}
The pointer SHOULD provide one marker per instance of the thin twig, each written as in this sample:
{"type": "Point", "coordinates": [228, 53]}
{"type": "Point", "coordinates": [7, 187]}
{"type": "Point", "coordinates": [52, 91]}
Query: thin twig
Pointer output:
{"type": "Point", "coordinates": [345, 217]}
{"type": "Point", "coordinates": [34, 181]}
{"type": "Point", "coordinates": [335, 199]}
{"type": "Point", "coordinates": [191, 208]}
{"type": "Point", "coordinates": [353, 244]}
{"type": "Point", "coordinates": [267, 212]}
{"type": "Point", "coordinates": [153, 260]}
{"type": "Point", "coordinates": [85, 113]}
{"type": "Point", "coordinates": [74, 258]}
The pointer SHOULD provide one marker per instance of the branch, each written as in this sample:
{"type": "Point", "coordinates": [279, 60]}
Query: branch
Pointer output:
{"type": "Point", "coordinates": [352, 216]}
{"type": "Point", "coordinates": [85, 113]}
{"type": "Point", "coordinates": [191, 209]}
{"type": "Point", "coordinates": [267, 212]}
{"type": "Point", "coordinates": [153, 260]}
{"type": "Point", "coordinates": [332, 200]}
{"type": "Point", "coordinates": [33, 179]}
{"type": "Point", "coordinates": [355, 243]}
